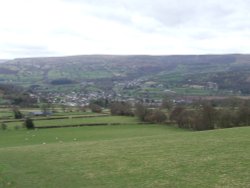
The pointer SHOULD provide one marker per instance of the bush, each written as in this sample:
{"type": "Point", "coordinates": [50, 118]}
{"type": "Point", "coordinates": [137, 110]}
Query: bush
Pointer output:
{"type": "Point", "coordinates": [208, 117]}
{"type": "Point", "coordinates": [200, 119]}
{"type": "Point", "coordinates": [141, 111]}
{"type": "Point", "coordinates": [121, 108]}
{"type": "Point", "coordinates": [148, 115]}
{"type": "Point", "coordinates": [167, 103]}
{"type": "Point", "coordinates": [176, 112]}
{"type": "Point", "coordinates": [81, 108]}
{"type": "Point", "coordinates": [156, 116]}
{"type": "Point", "coordinates": [198, 122]}
{"type": "Point", "coordinates": [226, 118]}
{"type": "Point", "coordinates": [29, 123]}
{"type": "Point", "coordinates": [103, 102]}
{"type": "Point", "coordinates": [17, 113]}
{"type": "Point", "coordinates": [95, 108]}
{"type": "Point", "coordinates": [244, 115]}
{"type": "Point", "coordinates": [3, 126]}
{"type": "Point", "coordinates": [186, 119]}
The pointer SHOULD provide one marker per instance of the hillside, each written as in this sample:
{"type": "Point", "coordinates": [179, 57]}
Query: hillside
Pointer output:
{"type": "Point", "coordinates": [132, 76]}
{"type": "Point", "coordinates": [3, 60]}
{"type": "Point", "coordinates": [124, 156]}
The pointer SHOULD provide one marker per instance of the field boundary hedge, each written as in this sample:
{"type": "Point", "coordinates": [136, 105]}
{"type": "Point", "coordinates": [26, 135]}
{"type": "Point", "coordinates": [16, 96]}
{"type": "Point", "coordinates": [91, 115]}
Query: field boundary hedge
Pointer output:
{"type": "Point", "coordinates": [62, 117]}
{"type": "Point", "coordinates": [88, 124]}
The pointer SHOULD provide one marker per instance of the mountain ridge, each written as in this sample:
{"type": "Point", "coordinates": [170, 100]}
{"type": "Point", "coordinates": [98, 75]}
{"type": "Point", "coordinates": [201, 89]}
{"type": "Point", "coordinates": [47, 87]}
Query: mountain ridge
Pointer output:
{"type": "Point", "coordinates": [175, 72]}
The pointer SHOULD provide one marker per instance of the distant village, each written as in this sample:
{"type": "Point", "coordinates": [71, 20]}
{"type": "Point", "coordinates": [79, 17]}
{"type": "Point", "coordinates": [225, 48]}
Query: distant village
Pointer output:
{"type": "Point", "coordinates": [118, 93]}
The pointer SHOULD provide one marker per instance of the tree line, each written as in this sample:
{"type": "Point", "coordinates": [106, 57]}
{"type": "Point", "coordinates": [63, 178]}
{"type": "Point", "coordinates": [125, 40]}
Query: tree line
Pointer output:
{"type": "Point", "coordinates": [201, 115]}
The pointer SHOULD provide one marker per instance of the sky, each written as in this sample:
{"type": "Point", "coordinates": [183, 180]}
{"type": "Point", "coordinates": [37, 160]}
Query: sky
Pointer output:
{"type": "Point", "coordinates": [37, 28]}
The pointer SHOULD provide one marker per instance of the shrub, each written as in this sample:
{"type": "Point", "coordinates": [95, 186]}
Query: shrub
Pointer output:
{"type": "Point", "coordinates": [29, 123]}
{"type": "Point", "coordinates": [186, 119]}
{"type": "Point", "coordinates": [198, 122]}
{"type": "Point", "coordinates": [156, 116]}
{"type": "Point", "coordinates": [208, 116]}
{"type": "Point", "coordinates": [148, 115]}
{"type": "Point", "coordinates": [167, 103]}
{"type": "Point", "coordinates": [103, 102]}
{"type": "Point", "coordinates": [141, 111]}
{"type": "Point", "coordinates": [17, 113]}
{"type": "Point", "coordinates": [95, 108]}
{"type": "Point", "coordinates": [226, 118]}
{"type": "Point", "coordinates": [200, 119]}
{"type": "Point", "coordinates": [176, 112]}
{"type": "Point", "coordinates": [81, 108]}
{"type": "Point", "coordinates": [244, 115]}
{"type": "Point", "coordinates": [3, 126]}
{"type": "Point", "coordinates": [121, 108]}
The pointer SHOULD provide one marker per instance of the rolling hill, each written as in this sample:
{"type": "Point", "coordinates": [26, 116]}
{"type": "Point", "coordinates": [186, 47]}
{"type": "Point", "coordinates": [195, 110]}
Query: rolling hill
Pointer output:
{"type": "Point", "coordinates": [179, 73]}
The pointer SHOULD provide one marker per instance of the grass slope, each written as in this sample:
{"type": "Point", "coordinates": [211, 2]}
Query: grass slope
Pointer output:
{"type": "Point", "coordinates": [125, 156]}
{"type": "Point", "coordinates": [76, 121]}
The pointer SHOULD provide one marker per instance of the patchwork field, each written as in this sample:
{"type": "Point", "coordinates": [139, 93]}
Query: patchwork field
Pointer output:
{"type": "Point", "coordinates": [124, 156]}
{"type": "Point", "coordinates": [77, 121]}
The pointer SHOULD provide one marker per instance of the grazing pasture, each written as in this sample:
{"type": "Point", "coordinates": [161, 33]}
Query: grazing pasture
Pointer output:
{"type": "Point", "coordinates": [124, 156]}
{"type": "Point", "coordinates": [77, 121]}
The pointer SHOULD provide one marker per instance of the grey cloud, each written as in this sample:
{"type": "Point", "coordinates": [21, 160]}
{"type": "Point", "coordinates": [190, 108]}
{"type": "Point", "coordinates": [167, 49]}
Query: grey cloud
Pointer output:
{"type": "Point", "coordinates": [181, 11]}
{"type": "Point", "coordinates": [175, 13]}
{"type": "Point", "coordinates": [216, 14]}
{"type": "Point", "coordinates": [184, 21]}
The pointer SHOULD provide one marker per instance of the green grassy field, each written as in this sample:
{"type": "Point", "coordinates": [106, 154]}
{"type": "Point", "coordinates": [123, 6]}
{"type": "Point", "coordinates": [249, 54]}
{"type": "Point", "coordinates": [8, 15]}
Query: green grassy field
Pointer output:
{"type": "Point", "coordinates": [8, 113]}
{"type": "Point", "coordinates": [77, 121]}
{"type": "Point", "coordinates": [125, 156]}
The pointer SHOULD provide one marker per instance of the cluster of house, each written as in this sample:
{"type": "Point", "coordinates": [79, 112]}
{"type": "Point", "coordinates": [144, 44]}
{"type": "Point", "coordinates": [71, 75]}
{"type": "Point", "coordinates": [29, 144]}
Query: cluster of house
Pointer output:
{"type": "Point", "coordinates": [207, 85]}
{"type": "Point", "coordinates": [72, 98]}
{"type": "Point", "coordinates": [83, 98]}
{"type": "Point", "coordinates": [133, 84]}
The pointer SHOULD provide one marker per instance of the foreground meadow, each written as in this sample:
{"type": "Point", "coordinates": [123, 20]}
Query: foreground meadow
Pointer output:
{"type": "Point", "coordinates": [124, 156]}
